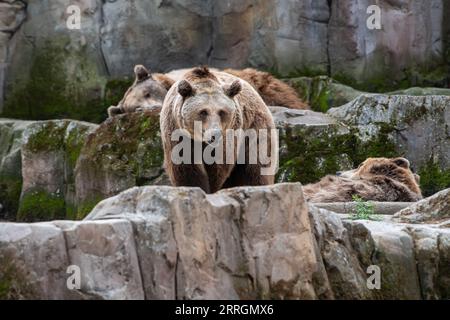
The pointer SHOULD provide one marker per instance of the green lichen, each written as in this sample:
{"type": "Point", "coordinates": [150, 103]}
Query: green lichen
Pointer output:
{"type": "Point", "coordinates": [10, 189]}
{"type": "Point", "coordinates": [131, 143]}
{"type": "Point", "coordinates": [125, 148]}
{"type": "Point", "coordinates": [48, 137]}
{"type": "Point", "coordinates": [309, 155]}
{"type": "Point", "coordinates": [433, 178]}
{"type": "Point", "coordinates": [379, 146]}
{"type": "Point", "coordinates": [115, 90]}
{"type": "Point", "coordinates": [40, 205]}
{"type": "Point", "coordinates": [84, 208]}
{"type": "Point", "coordinates": [62, 83]}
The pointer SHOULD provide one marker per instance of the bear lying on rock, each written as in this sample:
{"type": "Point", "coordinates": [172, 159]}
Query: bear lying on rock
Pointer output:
{"type": "Point", "coordinates": [220, 103]}
{"type": "Point", "coordinates": [148, 90]}
{"type": "Point", "coordinates": [377, 179]}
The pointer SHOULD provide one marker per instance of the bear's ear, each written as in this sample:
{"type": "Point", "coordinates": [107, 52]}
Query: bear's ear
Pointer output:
{"type": "Point", "coordinates": [402, 162]}
{"type": "Point", "coordinates": [164, 80]}
{"type": "Point", "coordinates": [185, 89]}
{"type": "Point", "coordinates": [233, 89]}
{"type": "Point", "coordinates": [141, 72]}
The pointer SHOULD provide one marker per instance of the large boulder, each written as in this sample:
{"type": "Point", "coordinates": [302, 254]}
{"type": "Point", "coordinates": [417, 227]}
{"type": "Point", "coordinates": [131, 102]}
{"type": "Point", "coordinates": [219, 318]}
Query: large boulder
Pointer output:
{"type": "Point", "coordinates": [160, 242]}
{"type": "Point", "coordinates": [123, 152]}
{"type": "Point", "coordinates": [49, 153]}
{"type": "Point", "coordinates": [323, 93]}
{"type": "Point", "coordinates": [11, 141]}
{"type": "Point", "coordinates": [37, 161]}
{"type": "Point", "coordinates": [414, 127]}
{"type": "Point", "coordinates": [435, 209]}
{"type": "Point", "coordinates": [312, 144]}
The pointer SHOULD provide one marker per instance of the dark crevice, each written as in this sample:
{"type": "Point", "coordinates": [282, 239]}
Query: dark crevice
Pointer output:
{"type": "Point", "coordinates": [102, 26]}
{"type": "Point", "coordinates": [330, 4]}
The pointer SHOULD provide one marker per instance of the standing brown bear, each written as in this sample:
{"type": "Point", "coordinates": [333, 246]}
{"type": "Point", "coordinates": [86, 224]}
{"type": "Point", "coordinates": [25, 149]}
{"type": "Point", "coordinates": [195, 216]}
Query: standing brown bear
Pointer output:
{"type": "Point", "coordinates": [221, 103]}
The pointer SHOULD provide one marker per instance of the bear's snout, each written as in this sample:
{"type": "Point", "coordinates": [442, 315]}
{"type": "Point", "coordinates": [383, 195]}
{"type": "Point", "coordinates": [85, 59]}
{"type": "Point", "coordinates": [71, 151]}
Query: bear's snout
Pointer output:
{"type": "Point", "coordinates": [212, 135]}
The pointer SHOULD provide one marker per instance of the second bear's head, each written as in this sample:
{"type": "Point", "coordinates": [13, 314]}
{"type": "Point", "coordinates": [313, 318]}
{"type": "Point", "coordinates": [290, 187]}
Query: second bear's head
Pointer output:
{"type": "Point", "coordinates": [209, 102]}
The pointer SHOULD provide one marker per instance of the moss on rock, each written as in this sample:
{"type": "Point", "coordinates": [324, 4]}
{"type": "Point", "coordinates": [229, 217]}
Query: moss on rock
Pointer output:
{"type": "Point", "coordinates": [124, 151]}
{"type": "Point", "coordinates": [62, 83]}
{"type": "Point", "coordinates": [40, 205]}
{"type": "Point", "coordinates": [433, 178]}
{"type": "Point", "coordinates": [10, 188]}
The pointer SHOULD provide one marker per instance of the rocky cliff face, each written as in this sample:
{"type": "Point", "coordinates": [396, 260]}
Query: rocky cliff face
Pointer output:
{"type": "Point", "coordinates": [73, 72]}
{"type": "Point", "coordinates": [242, 243]}
{"type": "Point", "coordinates": [66, 167]}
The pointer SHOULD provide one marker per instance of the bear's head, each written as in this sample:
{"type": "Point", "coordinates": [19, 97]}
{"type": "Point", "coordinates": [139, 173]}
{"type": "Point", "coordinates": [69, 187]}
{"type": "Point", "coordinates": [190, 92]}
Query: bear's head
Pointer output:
{"type": "Point", "coordinates": [147, 92]}
{"type": "Point", "coordinates": [397, 169]}
{"type": "Point", "coordinates": [207, 102]}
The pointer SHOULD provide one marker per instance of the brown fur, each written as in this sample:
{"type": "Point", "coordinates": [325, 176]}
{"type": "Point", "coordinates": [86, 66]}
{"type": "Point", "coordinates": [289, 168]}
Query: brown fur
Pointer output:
{"type": "Point", "coordinates": [376, 179]}
{"type": "Point", "coordinates": [215, 92]}
{"type": "Point", "coordinates": [274, 92]}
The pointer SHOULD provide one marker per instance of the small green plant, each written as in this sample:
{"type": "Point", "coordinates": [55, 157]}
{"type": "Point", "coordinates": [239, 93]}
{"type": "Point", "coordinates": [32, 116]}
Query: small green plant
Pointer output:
{"type": "Point", "coordinates": [364, 210]}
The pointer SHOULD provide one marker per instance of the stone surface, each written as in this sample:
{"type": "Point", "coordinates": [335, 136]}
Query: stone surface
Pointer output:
{"type": "Point", "coordinates": [434, 209]}
{"type": "Point", "coordinates": [290, 38]}
{"type": "Point", "coordinates": [227, 245]}
{"type": "Point", "coordinates": [37, 160]}
{"type": "Point", "coordinates": [33, 262]}
{"type": "Point", "coordinates": [323, 93]}
{"type": "Point", "coordinates": [49, 153]}
{"type": "Point", "coordinates": [122, 152]}
{"type": "Point", "coordinates": [412, 35]}
{"type": "Point", "coordinates": [381, 208]}
{"type": "Point", "coordinates": [11, 141]}
{"type": "Point", "coordinates": [105, 252]}
{"type": "Point", "coordinates": [414, 127]}
{"type": "Point", "coordinates": [312, 145]}
{"type": "Point", "coordinates": [160, 242]}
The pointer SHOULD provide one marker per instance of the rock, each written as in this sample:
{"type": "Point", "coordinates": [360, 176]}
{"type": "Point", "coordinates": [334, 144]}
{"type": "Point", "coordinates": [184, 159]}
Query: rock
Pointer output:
{"type": "Point", "coordinates": [322, 92]}
{"type": "Point", "coordinates": [227, 245]}
{"type": "Point", "coordinates": [33, 262]}
{"type": "Point", "coordinates": [105, 252]}
{"type": "Point", "coordinates": [12, 15]}
{"type": "Point", "coordinates": [393, 252]}
{"type": "Point", "coordinates": [11, 142]}
{"type": "Point", "coordinates": [414, 127]}
{"type": "Point", "coordinates": [380, 208]}
{"type": "Point", "coordinates": [290, 38]}
{"type": "Point", "coordinates": [123, 152]}
{"type": "Point", "coordinates": [37, 160]}
{"type": "Point", "coordinates": [379, 59]}
{"type": "Point", "coordinates": [160, 242]}
{"type": "Point", "coordinates": [49, 153]}
{"type": "Point", "coordinates": [430, 210]}
{"type": "Point", "coordinates": [345, 274]}
{"type": "Point", "coordinates": [312, 145]}
{"type": "Point", "coordinates": [416, 91]}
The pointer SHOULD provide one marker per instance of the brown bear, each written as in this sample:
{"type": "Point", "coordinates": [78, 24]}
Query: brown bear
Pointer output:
{"type": "Point", "coordinates": [148, 90]}
{"type": "Point", "coordinates": [221, 103]}
{"type": "Point", "coordinates": [273, 91]}
{"type": "Point", "coordinates": [376, 179]}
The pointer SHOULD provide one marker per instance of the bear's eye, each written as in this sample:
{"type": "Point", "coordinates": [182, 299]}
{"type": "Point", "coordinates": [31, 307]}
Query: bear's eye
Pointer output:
{"type": "Point", "coordinates": [204, 113]}
{"type": "Point", "coordinates": [147, 95]}
{"type": "Point", "coordinates": [222, 113]}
